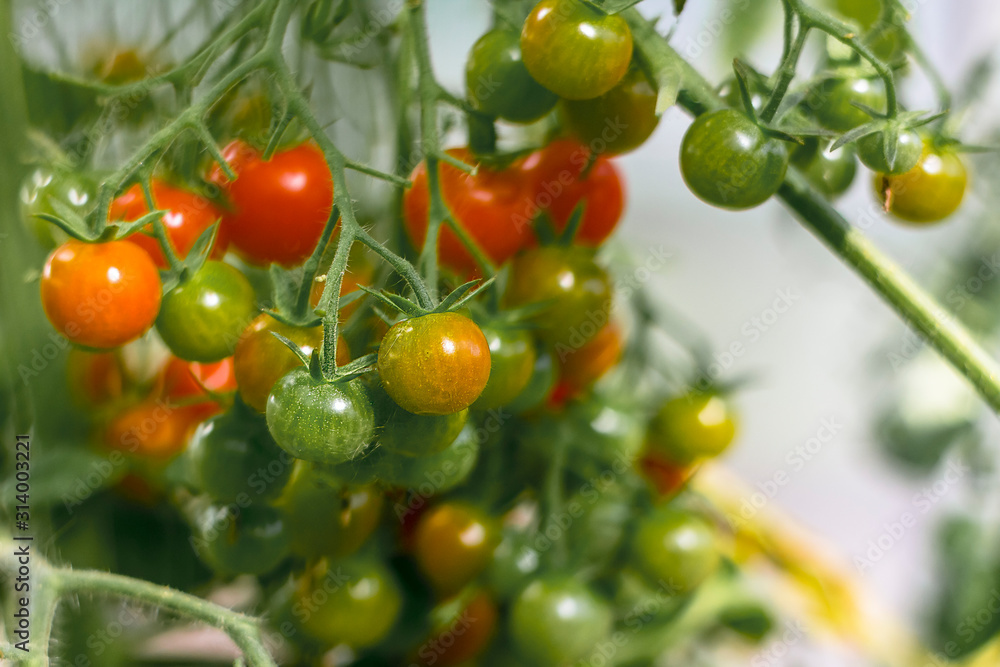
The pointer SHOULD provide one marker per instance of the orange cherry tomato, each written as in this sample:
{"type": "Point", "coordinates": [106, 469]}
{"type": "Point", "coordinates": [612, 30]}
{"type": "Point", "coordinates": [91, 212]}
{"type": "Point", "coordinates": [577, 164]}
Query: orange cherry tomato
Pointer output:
{"type": "Point", "coordinates": [665, 477]}
{"type": "Point", "coordinates": [183, 381]}
{"type": "Point", "coordinates": [581, 367]}
{"type": "Point", "coordinates": [460, 633]}
{"type": "Point", "coordinates": [154, 429]}
{"type": "Point", "coordinates": [454, 542]}
{"type": "Point", "coordinates": [100, 295]}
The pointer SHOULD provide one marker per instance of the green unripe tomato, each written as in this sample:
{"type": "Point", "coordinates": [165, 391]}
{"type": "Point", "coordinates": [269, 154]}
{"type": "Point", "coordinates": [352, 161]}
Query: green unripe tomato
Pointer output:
{"type": "Point", "coordinates": [512, 358]}
{"type": "Point", "coordinates": [558, 620]}
{"type": "Point", "coordinates": [403, 432]}
{"type": "Point", "coordinates": [46, 186]}
{"type": "Point", "coordinates": [574, 50]}
{"type": "Point", "coordinates": [233, 455]}
{"type": "Point", "coordinates": [354, 602]}
{"type": "Point", "coordinates": [431, 474]}
{"type": "Point", "coordinates": [318, 421]}
{"type": "Point", "coordinates": [202, 319]}
{"type": "Point", "coordinates": [539, 388]}
{"type": "Point", "coordinates": [618, 121]}
{"type": "Point", "coordinates": [676, 548]}
{"type": "Point", "coordinates": [728, 161]}
{"type": "Point", "coordinates": [909, 147]}
{"type": "Point", "coordinates": [692, 427]}
{"type": "Point", "coordinates": [248, 540]}
{"type": "Point", "coordinates": [830, 172]}
{"type": "Point", "coordinates": [832, 102]}
{"type": "Point", "coordinates": [498, 84]}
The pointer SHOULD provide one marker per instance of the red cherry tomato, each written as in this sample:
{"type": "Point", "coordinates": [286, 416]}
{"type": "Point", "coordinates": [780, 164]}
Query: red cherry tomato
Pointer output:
{"type": "Point", "coordinates": [559, 181]}
{"type": "Point", "coordinates": [280, 206]}
{"type": "Point", "coordinates": [493, 207]}
{"type": "Point", "coordinates": [154, 429]}
{"type": "Point", "coordinates": [100, 295]}
{"type": "Point", "coordinates": [187, 216]}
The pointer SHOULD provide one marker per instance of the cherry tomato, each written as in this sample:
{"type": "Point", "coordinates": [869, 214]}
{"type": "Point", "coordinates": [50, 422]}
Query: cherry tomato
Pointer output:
{"type": "Point", "coordinates": [560, 180]}
{"type": "Point", "coordinates": [675, 547]}
{"type": "Point", "coordinates": [45, 186]}
{"type": "Point", "coordinates": [515, 563]}
{"type": "Point", "coordinates": [453, 544]}
{"type": "Point", "coordinates": [498, 83]}
{"type": "Point", "coordinates": [832, 102]}
{"type": "Point", "coordinates": [928, 193]}
{"type": "Point", "coordinates": [100, 295]}
{"type": "Point", "coordinates": [153, 429]}
{"type": "Point", "coordinates": [574, 50]}
{"type": "Point", "coordinates": [187, 216]}
{"type": "Point", "coordinates": [233, 457]}
{"type": "Point", "coordinates": [280, 205]}
{"type": "Point", "coordinates": [202, 319]}
{"type": "Point", "coordinates": [354, 602]}
{"type": "Point", "coordinates": [403, 432]}
{"type": "Point", "coordinates": [540, 385]}
{"type": "Point", "coordinates": [618, 121]}
{"type": "Point", "coordinates": [665, 477]}
{"type": "Point", "coordinates": [512, 359]}
{"type": "Point", "coordinates": [318, 421]}
{"type": "Point", "coordinates": [95, 379]}
{"type": "Point", "coordinates": [240, 540]}
{"type": "Point", "coordinates": [865, 13]}
{"type": "Point", "coordinates": [581, 367]}
{"type": "Point", "coordinates": [436, 364]}
{"type": "Point", "coordinates": [492, 206]}
{"type": "Point", "coordinates": [728, 161]}
{"type": "Point", "coordinates": [462, 629]}
{"type": "Point", "coordinates": [429, 475]}
{"type": "Point", "coordinates": [183, 381]}
{"type": "Point", "coordinates": [830, 172]}
{"type": "Point", "coordinates": [692, 427]}
{"type": "Point", "coordinates": [558, 620]}
{"type": "Point", "coordinates": [325, 518]}
{"type": "Point", "coordinates": [733, 97]}
{"type": "Point", "coordinates": [260, 359]}
{"type": "Point", "coordinates": [567, 288]}
{"type": "Point", "coordinates": [871, 150]}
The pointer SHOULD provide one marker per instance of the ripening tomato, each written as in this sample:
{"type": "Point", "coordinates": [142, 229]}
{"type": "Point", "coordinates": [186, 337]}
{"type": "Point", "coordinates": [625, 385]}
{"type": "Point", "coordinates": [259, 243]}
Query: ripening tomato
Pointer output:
{"type": "Point", "coordinates": [202, 318]}
{"type": "Point", "coordinates": [95, 379]}
{"type": "Point", "coordinates": [492, 206]}
{"type": "Point", "coordinates": [665, 477]}
{"type": "Point", "coordinates": [436, 364]}
{"type": "Point", "coordinates": [454, 542]}
{"type": "Point", "coordinates": [498, 84]}
{"type": "Point", "coordinates": [260, 359]}
{"type": "Point", "coordinates": [462, 629]}
{"type": "Point", "coordinates": [692, 427]}
{"type": "Point", "coordinates": [677, 548]}
{"type": "Point", "coordinates": [100, 295]}
{"type": "Point", "coordinates": [568, 290]}
{"type": "Point", "coordinates": [583, 366]}
{"type": "Point", "coordinates": [155, 429]}
{"type": "Point", "coordinates": [280, 206]}
{"type": "Point", "coordinates": [184, 382]}
{"type": "Point", "coordinates": [928, 193]}
{"type": "Point", "coordinates": [618, 121]}
{"type": "Point", "coordinates": [512, 362]}
{"type": "Point", "coordinates": [575, 50]}
{"type": "Point", "coordinates": [187, 216]}
{"type": "Point", "coordinates": [560, 180]}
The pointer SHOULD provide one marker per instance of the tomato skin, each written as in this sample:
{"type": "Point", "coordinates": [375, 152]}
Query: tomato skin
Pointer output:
{"type": "Point", "coordinates": [581, 367]}
{"type": "Point", "coordinates": [240, 540]}
{"type": "Point", "coordinates": [317, 421]}
{"type": "Point", "coordinates": [727, 161]}
{"type": "Point", "coordinates": [675, 547]}
{"type": "Point", "coordinates": [692, 427]}
{"type": "Point", "coordinates": [512, 362]}
{"type": "Point", "coordinates": [832, 102]}
{"type": "Point", "coordinates": [830, 172]}
{"type": "Point", "coordinates": [493, 207]}
{"type": "Point", "coordinates": [453, 544]}
{"type": "Point", "coordinates": [909, 146]}
{"type": "Point", "coordinates": [460, 634]}
{"type": "Point", "coordinates": [408, 434]}
{"type": "Point", "coordinates": [435, 364]}
{"type": "Point", "coordinates": [280, 205]}
{"type": "Point", "coordinates": [559, 180]}
{"type": "Point", "coordinates": [182, 381]}
{"type": "Point", "coordinates": [326, 519]}
{"type": "Point", "coordinates": [187, 216]}
{"type": "Point", "coordinates": [202, 319]}
{"type": "Point", "coordinates": [431, 474]}
{"type": "Point", "coordinates": [556, 620]}
{"type": "Point", "coordinates": [498, 83]}
{"type": "Point", "coordinates": [577, 290]}
{"type": "Point", "coordinates": [153, 429]}
{"type": "Point", "coordinates": [234, 456]}
{"type": "Point", "coordinates": [100, 295]}
{"type": "Point", "coordinates": [45, 186]}
{"type": "Point", "coordinates": [928, 193]}
{"type": "Point", "coordinates": [574, 50]}
{"type": "Point", "coordinates": [618, 121]}
{"type": "Point", "coordinates": [260, 359]}
{"type": "Point", "coordinates": [358, 613]}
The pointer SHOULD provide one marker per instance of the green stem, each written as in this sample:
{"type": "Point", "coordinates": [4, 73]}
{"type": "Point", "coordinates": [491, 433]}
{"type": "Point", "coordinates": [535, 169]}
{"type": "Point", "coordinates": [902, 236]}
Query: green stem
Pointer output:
{"type": "Point", "coordinates": [553, 499]}
{"type": "Point", "coordinates": [785, 74]}
{"type": "Point", "coordinates": [943, 332]}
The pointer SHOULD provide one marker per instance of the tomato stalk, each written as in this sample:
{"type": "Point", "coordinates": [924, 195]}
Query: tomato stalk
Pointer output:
{"type": "Point", "coordinates": [918, 308]}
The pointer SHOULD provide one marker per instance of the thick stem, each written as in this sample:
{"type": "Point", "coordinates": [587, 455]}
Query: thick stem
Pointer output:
{"type": "Point", "coordinates": [942, 331]}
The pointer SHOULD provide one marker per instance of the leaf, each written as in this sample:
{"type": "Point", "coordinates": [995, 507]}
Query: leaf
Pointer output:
{"type": "Point", "coordinates": [285, 284]}
{"type": "Point", "coordinates": [679, 6]}
{"type": "Point", "coordinates": [573, 226]}
{"type": "Point", "coordinates": [743, 75]}
{"type": "Point", "coordinates": [199, 252]}
{"type": "Point", "coordinates": [668, 87]}
{"type": "Point", "coordinates": [361, 364]}
{"type": "Point", "coordinates": [890, 144]}
{"type": "Point", "coordinates": [303, 357]}
{"type": "Point", "coordinates": [66, 226]}
{"type": "Point", "coordinates": [458, 303]}
{"type": "Point", "coordinates": [857, 133]}
{"type": "Point", "coordinates": [396, 302]}
{"type": "Point", "coordinates": [122, 230]}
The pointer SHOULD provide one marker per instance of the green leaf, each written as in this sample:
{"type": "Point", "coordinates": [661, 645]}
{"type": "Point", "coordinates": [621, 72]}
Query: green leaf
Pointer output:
{"type": "Point", "coordinates": [890, 144]}
{"type": "Point", "coordinates": [285, 285]}
{"type": "Point", "coordinates": [858, 132]}
{"type": "Point", "coordinates": [303, 357]}
{"type": "Point", "coordinates": [573, 226]}
{"type": "Point", "coordinates": [679, 6]}
{"type": "Point", "coordinates": [199, 253]}
{"type": "Point", "coordinates": [396, 302]}
{"type": "Point", "coordinates": [668, 87]}
{"type": "Point", "coordinates": [454, 302]}
{"type": "Point", "coordinates": [81, 234]}
{"type": "Point", "coordinates": [123, 230]}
